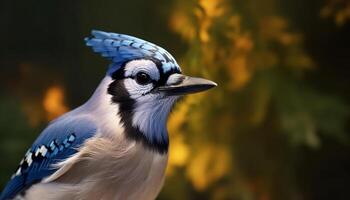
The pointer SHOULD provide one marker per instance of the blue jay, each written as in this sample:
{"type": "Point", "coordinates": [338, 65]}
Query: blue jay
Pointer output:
{"type": "Point", "coordinates": [115, 146]}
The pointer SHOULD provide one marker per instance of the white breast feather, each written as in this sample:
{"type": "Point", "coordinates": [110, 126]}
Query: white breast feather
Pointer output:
{"type": "Point", "coordinates": [108, 166]}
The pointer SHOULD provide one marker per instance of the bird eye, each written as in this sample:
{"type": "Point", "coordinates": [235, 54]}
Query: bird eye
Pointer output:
{"type": "Point", "coordinates": [142, 78]}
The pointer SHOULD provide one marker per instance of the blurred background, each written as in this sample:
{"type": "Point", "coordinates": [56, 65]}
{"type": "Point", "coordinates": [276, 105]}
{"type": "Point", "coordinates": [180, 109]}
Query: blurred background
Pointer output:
{"type": "Point", "coordinates": [277, 127]}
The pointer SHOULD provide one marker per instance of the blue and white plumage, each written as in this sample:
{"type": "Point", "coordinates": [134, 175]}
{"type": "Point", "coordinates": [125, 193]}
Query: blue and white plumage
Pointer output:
{"type": "Point", "coordinates": [117, 47]}
{"type": "Point", "coordinates": [56, 142]}
{"type": "Point", "coordinates": [115, 146]}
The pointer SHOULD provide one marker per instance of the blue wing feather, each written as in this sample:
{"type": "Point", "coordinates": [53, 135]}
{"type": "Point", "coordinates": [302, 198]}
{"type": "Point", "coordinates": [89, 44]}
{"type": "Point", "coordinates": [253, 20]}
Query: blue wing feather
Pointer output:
{"type": "Point", "coordinates": [57, 142]}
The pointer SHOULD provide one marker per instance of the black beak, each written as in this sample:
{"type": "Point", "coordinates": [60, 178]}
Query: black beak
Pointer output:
{"type": "Point", "coordinates": [187, 85]}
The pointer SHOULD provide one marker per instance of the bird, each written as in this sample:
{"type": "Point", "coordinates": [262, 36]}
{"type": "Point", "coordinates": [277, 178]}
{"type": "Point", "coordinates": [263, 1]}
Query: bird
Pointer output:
{"type": "Point", "coordinates": [115, 145]}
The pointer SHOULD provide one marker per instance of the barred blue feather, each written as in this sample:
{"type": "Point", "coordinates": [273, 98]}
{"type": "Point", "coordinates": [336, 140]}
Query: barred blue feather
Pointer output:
{"type": "Point", "coordinates": [120, 48]}
{"type": "Point", "coordinates": [61, 140]}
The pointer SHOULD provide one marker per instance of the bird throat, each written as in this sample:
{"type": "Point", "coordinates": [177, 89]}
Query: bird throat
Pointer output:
{"type": "Point", "coordinates": [140, 125]}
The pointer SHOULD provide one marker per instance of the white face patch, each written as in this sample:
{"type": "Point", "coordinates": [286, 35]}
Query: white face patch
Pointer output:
{"type": "Point", "coordinates": [134, 67]}
{"type": "Point", "coordinates": [147, 66]}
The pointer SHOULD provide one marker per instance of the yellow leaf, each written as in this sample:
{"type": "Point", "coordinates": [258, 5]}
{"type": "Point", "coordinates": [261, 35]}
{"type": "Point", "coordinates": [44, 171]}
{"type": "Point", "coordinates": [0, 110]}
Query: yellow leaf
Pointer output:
{"type": "Point", "coordinates": [208, 166]}
{"type": "Point", "coordinates": [53, 102]}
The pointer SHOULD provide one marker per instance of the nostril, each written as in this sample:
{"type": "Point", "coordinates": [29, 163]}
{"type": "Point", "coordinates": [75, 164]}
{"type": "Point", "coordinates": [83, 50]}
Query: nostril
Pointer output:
{"type": "Point", "coordinates": [175, 79]}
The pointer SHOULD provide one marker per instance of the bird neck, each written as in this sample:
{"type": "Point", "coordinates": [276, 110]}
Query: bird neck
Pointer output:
{"type": "Point", "coordinates": [148, 122]}
{"type": "Point", "coordinates": [143, 122]}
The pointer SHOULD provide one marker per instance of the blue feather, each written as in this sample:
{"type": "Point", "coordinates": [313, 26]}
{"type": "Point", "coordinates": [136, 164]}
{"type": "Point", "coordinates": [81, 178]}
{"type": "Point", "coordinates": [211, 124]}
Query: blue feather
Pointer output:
{"type": "Point", "coordinates": [61, 140]}
{"type": "Point", "coordinates": [120, 48]}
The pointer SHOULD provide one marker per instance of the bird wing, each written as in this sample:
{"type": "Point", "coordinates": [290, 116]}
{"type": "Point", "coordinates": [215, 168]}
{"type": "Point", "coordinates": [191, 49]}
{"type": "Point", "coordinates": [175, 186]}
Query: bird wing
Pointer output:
{"type": "Point", "coordinates": [59, 141]}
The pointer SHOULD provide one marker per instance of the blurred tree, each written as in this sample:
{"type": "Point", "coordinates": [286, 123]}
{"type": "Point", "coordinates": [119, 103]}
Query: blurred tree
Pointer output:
{"type": "Point", "coordinates": [246, 135]}
{"type": "Point", "coordinates": [337, 9]}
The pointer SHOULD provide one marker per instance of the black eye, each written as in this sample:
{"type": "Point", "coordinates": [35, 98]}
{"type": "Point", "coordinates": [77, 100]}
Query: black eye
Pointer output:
{"type": "Point", "coordinates": [142, 78]}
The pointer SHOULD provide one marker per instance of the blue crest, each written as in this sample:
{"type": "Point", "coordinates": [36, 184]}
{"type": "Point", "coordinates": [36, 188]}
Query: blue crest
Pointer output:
{"type": "Point", "coordinates": [121, 48]}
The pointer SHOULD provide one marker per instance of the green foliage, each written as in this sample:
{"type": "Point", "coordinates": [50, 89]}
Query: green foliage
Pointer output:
{"type": "Point", "coordinates": [262, 113]}
{"type": "Point", "coordinates": [16, 136]}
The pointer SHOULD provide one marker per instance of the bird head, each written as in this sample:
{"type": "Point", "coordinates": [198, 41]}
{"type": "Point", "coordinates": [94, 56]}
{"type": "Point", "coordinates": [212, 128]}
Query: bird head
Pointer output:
{"type": "Point", "coordinates": [146, 81]}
